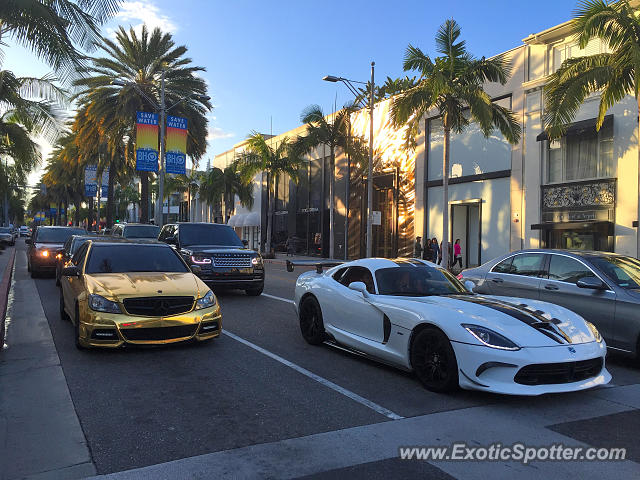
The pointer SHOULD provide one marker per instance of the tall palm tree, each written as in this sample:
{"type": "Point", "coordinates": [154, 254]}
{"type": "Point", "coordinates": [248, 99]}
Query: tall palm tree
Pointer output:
{"type": "Point", "coordinates": [334, 133]}
{"type": "Point", "coordinates": [220, 188]}
{"type": "Point", "coordinates": [452, 84]}
{"type": "Point", "coordinates": [140, 60]}
{"type": "Point", "coordinates": [174, 184]}
{"type": "Point", "coordinates": [614, 75]}
{"type": "Point", "coordinates": [212, 188]}
{"type": "Point", "coordinates": [260, 156]}
{"type": "Point", "coordinates": [54, 30]}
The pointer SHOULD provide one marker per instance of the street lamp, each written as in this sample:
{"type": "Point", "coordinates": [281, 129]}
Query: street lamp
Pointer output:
{"type": "Point", "coordinates": [163, 109]}
{"type": "Point", "coordinates": [352, 89]}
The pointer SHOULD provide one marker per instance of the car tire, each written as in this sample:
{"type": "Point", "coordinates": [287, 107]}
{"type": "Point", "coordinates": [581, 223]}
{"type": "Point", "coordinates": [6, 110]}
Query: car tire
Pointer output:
{"type": "Point", "coordinates": [311, 324]}
{"type": "Point", "coordinates": [57, 279]}
{"type": "Point", "coordinates": [28, 266]}
{"type": "Point", "coordinates": [255, 292]}
{"type": "Point", "coordinates": [76, 328]}
{"type": "Point", "coordinates": [63, 315]}
{"type": "Point", "coordinates": [434, 361]}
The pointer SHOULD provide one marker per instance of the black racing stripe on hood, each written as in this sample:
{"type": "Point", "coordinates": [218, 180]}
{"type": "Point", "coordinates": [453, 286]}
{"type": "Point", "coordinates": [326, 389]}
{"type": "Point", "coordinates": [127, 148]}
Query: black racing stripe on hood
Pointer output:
{"type": "Point", "coordinates": [533, 318]}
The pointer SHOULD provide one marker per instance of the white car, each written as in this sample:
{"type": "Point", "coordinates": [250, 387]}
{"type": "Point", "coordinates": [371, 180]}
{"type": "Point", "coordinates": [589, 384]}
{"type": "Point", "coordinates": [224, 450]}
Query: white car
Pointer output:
{"type": "Point", "coordinates": [416, 316]}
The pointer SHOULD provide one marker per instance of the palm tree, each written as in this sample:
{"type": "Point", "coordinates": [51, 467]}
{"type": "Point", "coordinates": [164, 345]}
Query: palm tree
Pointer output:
{"type": "Point", "coordinates": [54, 29]}
{"type": "Point", "coordinates": [614, 75]}
{"type": "Point", "coordinates": [220, 187]}
{"type": "Point", "coordinates": [212, 188]}
{"type": "Point", "coordinates": [174, 184]}
{"type": "Point", "coordinates": [452, 85]}
{"type": "Point", "coordinates": [260, 156]}
{"type": "Point", "coordinates": [334, 134]}
{"type": "Point", "coordinates": [140, 60]}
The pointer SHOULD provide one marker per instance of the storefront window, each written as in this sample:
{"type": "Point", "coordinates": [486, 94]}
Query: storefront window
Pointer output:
{"type": "Point", "coordinates": [581, 157]}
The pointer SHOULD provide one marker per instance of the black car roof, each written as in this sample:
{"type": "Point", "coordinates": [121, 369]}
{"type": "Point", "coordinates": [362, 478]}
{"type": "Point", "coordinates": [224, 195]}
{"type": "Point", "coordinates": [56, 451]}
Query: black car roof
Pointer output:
{"type": "Point", "coordinates": [105, 241]}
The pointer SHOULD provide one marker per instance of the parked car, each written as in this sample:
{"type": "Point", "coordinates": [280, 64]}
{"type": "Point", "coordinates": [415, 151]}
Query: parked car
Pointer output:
{"type": "Point", "coordinates": [25, 231]}
{"type": "Point", "coordinates": [46, 245]}
{"type": "Point", "coordinates": [602, 287]}
{"type": "Point", "coordinates": [6, 236]}
{"type": "Point", "coordinates": [121, 292]}
{"type": "Point", "coordinates": [217, 255]}
{"type": "Point", "coordinates": [135, 230]}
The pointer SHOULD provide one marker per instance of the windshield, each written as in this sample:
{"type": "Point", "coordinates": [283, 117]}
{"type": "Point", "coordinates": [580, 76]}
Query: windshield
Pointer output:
{"type": "Point", "coordinates": [141, 231]}
{"type": "Point", "coordinates": [624, 271]}
{"type": "Point", "coordinates": [210, 234]}
{"type": "Point", "coordinates": [56, 235]}
{"type": "Point", "coordinates": [417, 281]}
{"type": "Point", "coordinates": [134, 258]}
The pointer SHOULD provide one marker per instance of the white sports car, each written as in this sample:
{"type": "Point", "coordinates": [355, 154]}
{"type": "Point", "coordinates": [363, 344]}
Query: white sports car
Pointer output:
{"type": "Point", "coordinates": [416, 316]}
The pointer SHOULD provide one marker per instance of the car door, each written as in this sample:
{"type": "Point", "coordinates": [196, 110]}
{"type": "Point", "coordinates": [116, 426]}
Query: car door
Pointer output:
{"type": "Point", "coordinates": [352, 312]}
{"type": "Point", "coordinates": [72, 287]}
{"type": "Point", "coordinates": [517, 276]}
{"type": "Point", "coordinates": [596, 306]}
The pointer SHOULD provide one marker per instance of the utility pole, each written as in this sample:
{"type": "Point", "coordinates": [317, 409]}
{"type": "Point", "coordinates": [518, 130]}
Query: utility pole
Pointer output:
{"type": "Point", "coordinates": [370, 170]}
{"type": "Point", "coordinates": [160, 200]}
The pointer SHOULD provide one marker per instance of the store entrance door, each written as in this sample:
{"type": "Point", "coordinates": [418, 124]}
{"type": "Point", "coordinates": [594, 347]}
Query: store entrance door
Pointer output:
{"type": "Point", "coordinates": [466, 221]}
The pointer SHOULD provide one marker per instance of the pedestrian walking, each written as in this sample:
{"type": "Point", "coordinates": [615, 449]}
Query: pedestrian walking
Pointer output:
{"type": "Point", "coordinates": [417, 249]}
{"type": "Point", "coordinates": [457, 253]}
{"type": "Point", "coordinates": [440, 254]}
{"type": "Point", "coordinates": [427, 253]}
{"type": "Point", "coordinates": [290, 247]}
{"type": "Point", "coordinates": [436, 251]}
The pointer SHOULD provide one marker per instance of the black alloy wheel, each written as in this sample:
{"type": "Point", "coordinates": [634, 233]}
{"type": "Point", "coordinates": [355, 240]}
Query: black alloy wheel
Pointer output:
{"type": "Point", "coordinates": [311, 324]}
{"type": "Point", "coordinates": [63, 314]}
{"type": "Point", "coordinates": [434, 361]}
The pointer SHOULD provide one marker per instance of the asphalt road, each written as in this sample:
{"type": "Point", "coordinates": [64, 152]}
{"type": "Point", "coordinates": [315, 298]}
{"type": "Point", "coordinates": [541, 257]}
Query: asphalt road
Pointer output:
{"type": "Point", "coordinates": [140, 407]}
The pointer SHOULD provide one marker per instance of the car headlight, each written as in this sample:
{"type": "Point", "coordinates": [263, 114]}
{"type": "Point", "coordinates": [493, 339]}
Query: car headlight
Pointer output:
{"type": "Point", "coordinates": [490, 338]}
{"type": "Point", "coordinates": [257, 261]}
{"type": "Point", "coordinates": [44, 253]}
{"type": "Point", "coordinates": [209, 300]}
{"type": "Point", "coordinates": [595, 331]}
{"type": "Point", "coordinates": [100, 304]}
{"type": "Point", "coordinates": [198, 260]}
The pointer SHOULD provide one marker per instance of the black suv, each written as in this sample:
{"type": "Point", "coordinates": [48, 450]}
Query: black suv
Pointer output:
{"type": "Point", "coordinates": [217, 255]}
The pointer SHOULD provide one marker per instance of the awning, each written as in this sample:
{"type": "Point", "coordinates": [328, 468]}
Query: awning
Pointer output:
{"type": "Point", "coordinates": [581, 127]}
{"type": "Point", "coordinates": [244, 220]}
{"type": "Point", "coordinates": [609, 226]}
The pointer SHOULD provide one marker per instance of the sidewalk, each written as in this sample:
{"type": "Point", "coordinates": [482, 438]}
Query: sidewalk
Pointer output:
{"type": "Point", "coordinates": [40, 434]}
{"type": "Point", "coordinates": [6, 268]}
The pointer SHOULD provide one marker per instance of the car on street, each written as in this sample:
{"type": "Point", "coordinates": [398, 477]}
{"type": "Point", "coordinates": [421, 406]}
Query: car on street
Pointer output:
{"type": "Point", "coordinates": [25, 231]}
{"type": "Point", "coordinates": [416, 316]}
{"type": "Point", "coordinates": [45, 246]}
{"type": "Point", "coordinates": [602, 287]}
{"type": "Point", "coordinates": [135, 230]}
{"type": "Point", "coordinates": [217, 255]}
{"type": "Point", "coordinates": [135, 292]}
{"type": "Point", "coordinates": [7, 236]}
{"type": "Point", "coordinates": [70, 247]}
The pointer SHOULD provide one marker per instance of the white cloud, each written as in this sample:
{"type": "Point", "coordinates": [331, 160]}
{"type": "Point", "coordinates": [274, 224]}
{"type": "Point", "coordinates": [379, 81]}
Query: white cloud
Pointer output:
{"type": "Point", "coordinates": [138, 13]}
{"type": "Point", "coordinates": [217, 133]}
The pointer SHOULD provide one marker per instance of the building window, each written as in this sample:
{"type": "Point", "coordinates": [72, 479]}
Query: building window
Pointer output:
{"type": "Point", "coordinates": [572, 50]}
{"type": "Point", "coordinates": [581, 157]}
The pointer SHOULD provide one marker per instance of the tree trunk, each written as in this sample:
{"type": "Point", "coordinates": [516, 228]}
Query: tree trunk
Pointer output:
{"type": "Point", "coordinates": [445, 198]}
{"type": "Point", "coordinates": [110, 202]}
{"type": "Point", "coordinates": [332, 182]}
{"type": "Point", "coordinates": [271, 201]}
{"type": "Point", "coordinates": [58, 213]}
{"type": "Point", "coordinates": [77, 201]}
{"type": "Point", "coordinates": [144, 197]}
{"type": "Point", "coordinates": [638, 215]}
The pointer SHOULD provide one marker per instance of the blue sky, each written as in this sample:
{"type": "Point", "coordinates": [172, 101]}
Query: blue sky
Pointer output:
{"type": "Point", "coordinates": [265, 59]}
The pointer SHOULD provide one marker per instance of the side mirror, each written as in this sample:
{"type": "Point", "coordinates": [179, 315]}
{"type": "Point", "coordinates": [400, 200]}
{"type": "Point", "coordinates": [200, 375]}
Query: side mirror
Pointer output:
{"type": "Point", "coordinates": [72, 271]}
{"type": "Point", "coordinates": [172, 240]}
{"type": "Point", "coordinates": [469, 285]}
{"type": "Point", "coordinates": [359, 287]}
{"type": "Point", "coordinates": [27, 241]}
{"type": "Point", "coordinates": [196, 269]}
{"type": "Point", "coordinates": [245, 242]}
{"type": "Point", "coordinates": [591, 283]}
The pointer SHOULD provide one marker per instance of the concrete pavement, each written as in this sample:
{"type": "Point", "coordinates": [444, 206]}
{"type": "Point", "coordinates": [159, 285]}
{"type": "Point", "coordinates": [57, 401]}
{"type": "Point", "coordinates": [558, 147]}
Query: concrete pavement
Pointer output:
{"type": "Point", "coordinates": [40, 434]}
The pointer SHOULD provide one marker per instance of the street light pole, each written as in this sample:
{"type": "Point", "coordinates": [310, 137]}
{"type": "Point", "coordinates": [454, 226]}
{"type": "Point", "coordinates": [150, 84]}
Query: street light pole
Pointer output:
{"type": "Point", "coordinates": [160, 200]}
{"type": "Point", "coordinates": [370, 170]}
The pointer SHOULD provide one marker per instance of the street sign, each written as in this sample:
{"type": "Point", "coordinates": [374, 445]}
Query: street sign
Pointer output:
{"type": "Point", "coordinates": [90, 181]}
{"type": "Point", "coordinates": [146, 142]}
{"type": "Point", "coordinates": [376, 217]}
{"type": "Point", "coordinates": [105, 183]}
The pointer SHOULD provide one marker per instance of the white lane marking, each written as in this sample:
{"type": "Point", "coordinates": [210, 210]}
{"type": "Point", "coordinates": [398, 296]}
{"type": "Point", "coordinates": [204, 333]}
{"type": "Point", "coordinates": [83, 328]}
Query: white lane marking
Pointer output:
{"type": "Point", "coordinates": [278, 298]}
{"type": "Point", "coordinates": [323, 381]}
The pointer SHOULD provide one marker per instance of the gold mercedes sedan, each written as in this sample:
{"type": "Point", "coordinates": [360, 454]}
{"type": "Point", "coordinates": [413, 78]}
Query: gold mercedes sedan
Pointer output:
{"type": "Point", "coordinates": [135, 292]}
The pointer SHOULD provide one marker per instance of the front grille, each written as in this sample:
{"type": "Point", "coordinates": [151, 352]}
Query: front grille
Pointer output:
{"type": "Point", "coordinates": [231, 260]}
{"type": "Point", "coordinates": [554, 373]}
{"type": "Point", "coordinates": [159, 333]}
{"type": "Point", "coordinates": [158, 306]}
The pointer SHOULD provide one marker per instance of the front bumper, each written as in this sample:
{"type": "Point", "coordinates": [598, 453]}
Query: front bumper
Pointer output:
{"type": "Point", "coordinates": [494, 370]}
{"type": "Point", "coordinates": [111, 330]}
{"type": "Point", "coordinates": [232, 278]}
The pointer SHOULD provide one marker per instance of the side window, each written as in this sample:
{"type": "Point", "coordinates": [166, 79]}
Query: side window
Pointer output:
{"type": "Point", "coordinates": [503, 267]}
{"type": "Point", "coordinates": [67, 245]}
{"type": "Point", "coordinates": [359, 274]}
{"type": "Point", "coordinates": [80, 254]}
{"type": "Point", "coordinates": [566, 269]}
{"type": "Point", "coordinates": [527, 264]}
{"type": "Point", "coordinates": [338, 275]}
{"type": "Point", "coordinates": [164, 234]}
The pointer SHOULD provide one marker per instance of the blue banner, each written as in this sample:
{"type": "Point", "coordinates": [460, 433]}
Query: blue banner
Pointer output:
{"type": "Point", "coordinates": [90, 181]}
{"type": "Point", "coordinates": [147, 141]}
{"type": "Point", "coordinates": [146, 160]}
{"type": "Point", "coordinates": [176, 162]}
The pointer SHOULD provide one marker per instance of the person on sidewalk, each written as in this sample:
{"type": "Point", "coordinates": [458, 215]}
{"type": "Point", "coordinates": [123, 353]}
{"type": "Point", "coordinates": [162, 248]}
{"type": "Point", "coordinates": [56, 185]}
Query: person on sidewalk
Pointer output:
{"type": "Point", "coordinates": [457, 253]}
{"type": "Point", "coordinates": [427, 253]}
{"type": "Point", "coordinates": [289, 246]}
{"type": "Point", "coordinates": [417, 249]}
{"type": "Point", "coordinates": [436, 251]}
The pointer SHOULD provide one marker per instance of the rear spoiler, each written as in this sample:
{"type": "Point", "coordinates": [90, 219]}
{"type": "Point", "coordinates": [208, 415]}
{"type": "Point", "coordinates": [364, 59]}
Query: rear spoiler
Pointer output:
{"type": "Point", "coordinates": [319, 264]}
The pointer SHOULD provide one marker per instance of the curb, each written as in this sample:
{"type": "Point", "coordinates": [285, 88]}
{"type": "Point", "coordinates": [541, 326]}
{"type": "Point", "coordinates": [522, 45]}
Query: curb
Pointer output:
{"type": "Point", "coordinates": [5, 285]}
